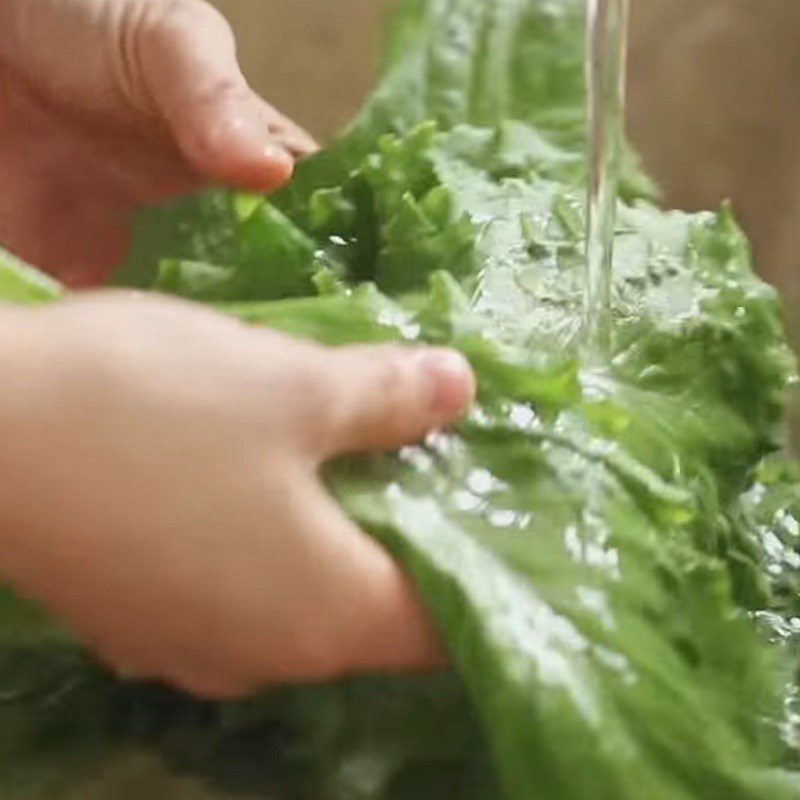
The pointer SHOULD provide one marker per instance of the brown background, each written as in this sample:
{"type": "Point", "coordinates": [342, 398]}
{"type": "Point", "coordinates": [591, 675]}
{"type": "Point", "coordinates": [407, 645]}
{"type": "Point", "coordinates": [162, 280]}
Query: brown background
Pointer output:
{"type": "Point", "coordinates": [715, 110]}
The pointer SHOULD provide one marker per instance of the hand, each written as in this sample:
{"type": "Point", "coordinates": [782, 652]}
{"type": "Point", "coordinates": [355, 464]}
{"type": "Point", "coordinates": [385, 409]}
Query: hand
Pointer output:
{"type": "Point", "coordinates": [110, 103]}
{"type": "Point", "coordinates": [160, 490]}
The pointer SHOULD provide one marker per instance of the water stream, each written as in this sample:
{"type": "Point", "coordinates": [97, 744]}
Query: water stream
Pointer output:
{"type": "Point", "coordinates": [606, 57]}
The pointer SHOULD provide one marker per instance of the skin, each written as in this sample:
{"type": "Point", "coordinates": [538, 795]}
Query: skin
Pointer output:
{"type": "Point", "coordinates": [160, 462]}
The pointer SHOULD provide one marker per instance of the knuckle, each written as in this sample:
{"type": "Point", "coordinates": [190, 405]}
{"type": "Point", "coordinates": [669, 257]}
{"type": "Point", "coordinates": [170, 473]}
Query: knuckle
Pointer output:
{"type": "Point", "coordinates": [316, 404]}
{"type": "Point", "coordinates": [391, 372]}
{"type": "Point", "coordinates": [391, 389]}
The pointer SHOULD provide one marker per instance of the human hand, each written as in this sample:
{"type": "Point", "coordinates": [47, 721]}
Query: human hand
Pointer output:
{"type": "Point", "coordinates": [107, 104]}
{"type": "Point", "coordinates": [160, 490]}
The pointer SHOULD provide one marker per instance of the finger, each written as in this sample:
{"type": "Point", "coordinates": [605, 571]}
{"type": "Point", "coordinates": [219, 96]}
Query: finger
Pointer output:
{"type": "Point", "coordinates": [224, 130]}
{"type": "Point", "coordinates": [382, 623]}
{"type": "Point", "coordinates": [370, 398]}
{"type": "Point", "coordinates": [363, 614]}
{"type": "Point", "coordinates": [325, 602]}
{"type": "Point", "coordinates": [288, 134]}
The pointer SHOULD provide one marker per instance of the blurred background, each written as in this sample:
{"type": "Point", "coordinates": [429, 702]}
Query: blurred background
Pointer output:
{"type": "Point", "coordinates": [714, 111]}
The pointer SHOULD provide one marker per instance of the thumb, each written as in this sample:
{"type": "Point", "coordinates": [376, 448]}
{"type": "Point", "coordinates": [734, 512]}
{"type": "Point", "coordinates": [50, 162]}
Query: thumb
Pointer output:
{"type": "Point", "coordinates": [374, 398]}
{"type": "Point", "coordinates": [224, 130]}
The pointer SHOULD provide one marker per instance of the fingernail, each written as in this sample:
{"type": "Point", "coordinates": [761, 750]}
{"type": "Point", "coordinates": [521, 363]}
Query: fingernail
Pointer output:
{"type": "Point", "coordinates": [449, 380]}
{"type": "Point", "coordinates": [274, 151]}
{"type": "Point", "coordinates": [252, 133]}
{"type": "Point", "coordinates": [256, 145]}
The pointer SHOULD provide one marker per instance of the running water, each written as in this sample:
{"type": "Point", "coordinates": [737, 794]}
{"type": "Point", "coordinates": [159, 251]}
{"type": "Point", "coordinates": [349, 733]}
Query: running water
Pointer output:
{"type": "Point", "coordinates": [606, 56]}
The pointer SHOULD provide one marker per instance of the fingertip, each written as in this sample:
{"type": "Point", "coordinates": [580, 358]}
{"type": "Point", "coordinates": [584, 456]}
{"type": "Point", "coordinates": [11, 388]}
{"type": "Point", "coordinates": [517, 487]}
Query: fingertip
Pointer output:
{"type": "Point", "coordinates": [247, 164]}
{"type": "Point", "coordinates": [449, 379]}
{"type": "Point", "coordinates": [237, 149]}
{"type": "Point", "coordinates": [265, 170]}
{"type": "Point", "coordinates": [297, 141]}
{"type": "Point", "coordinates": [382, 397]}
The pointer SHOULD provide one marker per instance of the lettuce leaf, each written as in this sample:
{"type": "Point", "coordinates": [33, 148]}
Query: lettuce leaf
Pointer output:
{"type": "Point", "coordinates": [21, 283]}
{"type": "Point", "coordinates": [611, 562]}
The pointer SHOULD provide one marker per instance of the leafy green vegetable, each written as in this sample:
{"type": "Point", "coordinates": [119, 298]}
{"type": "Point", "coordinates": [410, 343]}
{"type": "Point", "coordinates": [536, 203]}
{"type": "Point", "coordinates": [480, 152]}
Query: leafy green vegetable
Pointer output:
{"type": "Point", "coordinates": [21, 283]}
{"type": "Point", "coordinates": [612, 563]}
{"type": "Point", "coordinates": [222, 246]}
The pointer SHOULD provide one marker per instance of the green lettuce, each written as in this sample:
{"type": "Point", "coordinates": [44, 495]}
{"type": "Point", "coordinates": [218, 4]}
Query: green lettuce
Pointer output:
{"type": "Point", "coordinates": [612, 562]}
{"type": "Point", "coordinates": [21, 283]}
